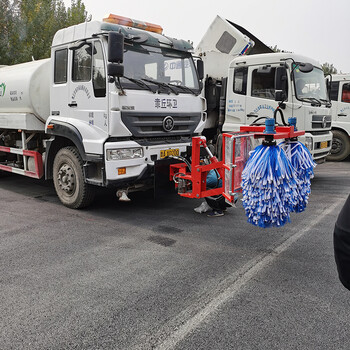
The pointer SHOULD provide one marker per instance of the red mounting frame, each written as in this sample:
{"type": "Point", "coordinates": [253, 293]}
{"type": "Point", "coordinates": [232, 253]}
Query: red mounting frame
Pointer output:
{"type": "Point", "coordinates": [282, 132]}
{"type": "Point", "coordinates": [199, 172]}
{"type": "Point", "coordinates": [235, 153]}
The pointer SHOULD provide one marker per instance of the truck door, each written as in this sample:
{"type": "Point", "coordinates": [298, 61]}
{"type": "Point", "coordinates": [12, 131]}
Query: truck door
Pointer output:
{"type": "Point", "coordinates": [343, 105]}
{"type": "Point", "coordinates": [236, 99]}
{"type": "Point", "coordinates": [260, 92]}
{"type": "Point", "coordinates": [334, 97]}
{"type": "Point", "coordinates": [87, 98]}
{"type": "Point", "coordinates": [59, 93]}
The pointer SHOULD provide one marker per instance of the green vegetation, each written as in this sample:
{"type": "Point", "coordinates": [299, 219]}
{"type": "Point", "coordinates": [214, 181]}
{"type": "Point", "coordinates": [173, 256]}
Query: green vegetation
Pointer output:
{"type": "Point", "coordinates": [28, 26]}
{"type": "Point", "coordinates": [328, 68]}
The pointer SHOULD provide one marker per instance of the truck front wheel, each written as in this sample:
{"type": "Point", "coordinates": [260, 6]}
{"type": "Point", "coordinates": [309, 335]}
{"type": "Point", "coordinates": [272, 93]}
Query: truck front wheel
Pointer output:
{"type": "Point", "coordinates": [68, 178]}
{"type": "Point", "coordinates": [340, 146]}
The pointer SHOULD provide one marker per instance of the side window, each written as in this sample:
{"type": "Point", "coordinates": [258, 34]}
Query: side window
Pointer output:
{"type": "Point", "coordinates": [82, 63]}
{"type": "Point", "coordinates": [98, 71]}
{"type": "Point", "coordinates": [60, 68]}
{"type": "Point", "coordinates": [334, 90]}
{"type": "Point", "coordinates": [240, 81]}
{"type": "Point", "coordinates": [345, 95]}
{"type": "Point", "coordinates": [263, 84]}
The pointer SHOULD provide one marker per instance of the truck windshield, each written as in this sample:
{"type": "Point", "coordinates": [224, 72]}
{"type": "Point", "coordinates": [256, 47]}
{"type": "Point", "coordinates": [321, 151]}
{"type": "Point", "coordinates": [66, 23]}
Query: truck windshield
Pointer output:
{"type": "Point", "coordinates": [161, 69]}
{"type": "Point", "coordinates": [311, 87]}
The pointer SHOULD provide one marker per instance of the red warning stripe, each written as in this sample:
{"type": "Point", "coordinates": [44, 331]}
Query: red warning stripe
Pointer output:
{"type": "Point", "coordinates": [38, 162]}
{"type": "Point", "coordinates": [5, 149]}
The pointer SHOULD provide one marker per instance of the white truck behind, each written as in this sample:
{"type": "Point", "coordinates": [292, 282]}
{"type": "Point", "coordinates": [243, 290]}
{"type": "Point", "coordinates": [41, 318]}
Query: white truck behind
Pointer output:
{"type": "Point", "coordinates": [114, 99]}
{"type": "Point", "coordinates": [242, 85]}
{"type": "Point", "coordinates": [340, 97]}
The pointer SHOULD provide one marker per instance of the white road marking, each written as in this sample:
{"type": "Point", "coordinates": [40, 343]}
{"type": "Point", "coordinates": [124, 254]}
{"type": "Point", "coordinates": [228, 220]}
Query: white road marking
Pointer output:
{"type": "Point", "coordinates": [239, 279]}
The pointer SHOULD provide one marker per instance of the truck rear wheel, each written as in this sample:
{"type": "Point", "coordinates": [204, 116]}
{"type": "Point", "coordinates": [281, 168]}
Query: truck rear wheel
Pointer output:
{"type": "Point", "coordinates": [340, 146]}
{"type": "Point", "coordinates": [68, 178]}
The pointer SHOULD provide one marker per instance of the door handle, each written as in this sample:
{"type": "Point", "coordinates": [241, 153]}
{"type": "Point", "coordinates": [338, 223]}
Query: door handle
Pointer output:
{"type": "Point", "coordinates": [342, 115]}
{"type": "Point", "coordinates": [73, 104]}
{"type": "Point", "coordinates": [252, 115]}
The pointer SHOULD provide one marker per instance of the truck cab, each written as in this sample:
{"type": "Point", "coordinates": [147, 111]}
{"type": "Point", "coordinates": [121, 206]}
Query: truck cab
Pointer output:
{"type": "Point", "coordinates": [241, 84]}
{"type": "Point", "coordinates": [340, 97]}
{"type": "Point", "coordinates": [251, 94]}
{"type": "Point", "coordinates": [116, 99]}
{"type": "Point", "coordinates": [125, 123]}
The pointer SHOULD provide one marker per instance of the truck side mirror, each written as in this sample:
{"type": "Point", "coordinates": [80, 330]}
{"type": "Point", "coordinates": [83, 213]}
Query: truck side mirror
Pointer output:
{"type": "Point", "coordinates": [328, 81]}
{"type": "Point", "coordinates": [280, 84]}
{"type": "Point", "coordinates": [200, 69]}
{"type": "Point", "coordinates": [328, 86]}
{"type": "Point", "coordinates": [115, 70]}
{"type": "Point", "coordinates": [115, 47]}
{"type": "Point", "coordinates": [280, 95]}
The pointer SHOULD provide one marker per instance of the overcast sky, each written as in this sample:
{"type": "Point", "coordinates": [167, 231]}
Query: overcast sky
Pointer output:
{"type": "Point", "coordinates": [315, 28]}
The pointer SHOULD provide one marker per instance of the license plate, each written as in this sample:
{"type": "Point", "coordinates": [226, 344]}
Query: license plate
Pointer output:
{"type": "Point", "coordinates": [324, 144]}
{"type": "Point", "coordinates": [169, 152]}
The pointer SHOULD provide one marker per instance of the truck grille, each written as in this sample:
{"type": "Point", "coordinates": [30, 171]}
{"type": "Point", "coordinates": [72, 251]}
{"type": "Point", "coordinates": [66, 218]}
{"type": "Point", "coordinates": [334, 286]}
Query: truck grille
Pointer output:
{"type": "Point", "coordinates": [152, 125]}
{"type": "Point", "coordinates": [321, 154]}
{"type": "Point", "coordinates": [317, 133]}
{"type": "Point", "coordinates": [147, 141]}
{"type": "Point", "coordinates": [321, 121]}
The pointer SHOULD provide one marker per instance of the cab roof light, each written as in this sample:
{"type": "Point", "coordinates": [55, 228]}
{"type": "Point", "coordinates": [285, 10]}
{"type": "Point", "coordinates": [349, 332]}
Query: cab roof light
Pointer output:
{"type": "Point", "coordinates": [124, 21]}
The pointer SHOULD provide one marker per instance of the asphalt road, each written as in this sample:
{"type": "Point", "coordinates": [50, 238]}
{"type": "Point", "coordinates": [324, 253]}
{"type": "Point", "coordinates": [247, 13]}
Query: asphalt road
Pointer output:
{"type": "Point", "coordinates": [146, 275]}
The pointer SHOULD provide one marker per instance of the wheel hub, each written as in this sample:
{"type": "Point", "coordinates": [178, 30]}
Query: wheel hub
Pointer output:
{"type": "Point", "coordinates": [66, 178]}
{"type": "Point", "coordinates": [336, 146]}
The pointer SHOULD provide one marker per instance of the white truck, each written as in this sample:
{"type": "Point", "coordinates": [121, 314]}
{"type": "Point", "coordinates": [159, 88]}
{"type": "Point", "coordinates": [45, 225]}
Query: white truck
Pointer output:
{"type": "Point", "coordinates": [114, 99]}
{"type": "Point", "coordinates": [245, 81]}
{"type": "Point", "coordinates": [340, 97]}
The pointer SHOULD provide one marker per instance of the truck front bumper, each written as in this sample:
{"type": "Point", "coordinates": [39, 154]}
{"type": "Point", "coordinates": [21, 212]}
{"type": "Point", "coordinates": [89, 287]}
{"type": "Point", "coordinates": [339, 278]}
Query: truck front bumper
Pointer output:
{"type": "Point", "coordinates": [132, 170]}
{"type": "Point", "coordinates": [318, 145]}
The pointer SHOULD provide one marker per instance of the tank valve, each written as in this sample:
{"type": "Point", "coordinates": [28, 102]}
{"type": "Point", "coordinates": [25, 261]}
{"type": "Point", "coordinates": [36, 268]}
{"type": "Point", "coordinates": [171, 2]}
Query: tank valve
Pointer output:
{"type": "Point", "coordinates": [123, 196]}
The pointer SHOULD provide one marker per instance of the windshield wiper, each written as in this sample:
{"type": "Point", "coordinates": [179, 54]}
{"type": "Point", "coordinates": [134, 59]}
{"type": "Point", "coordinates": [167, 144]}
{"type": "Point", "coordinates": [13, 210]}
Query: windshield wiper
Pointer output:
{"type": "Point", "coordinates": [185, 88]}
{"type": "Point", "coordinates": [326, 102]}
{"type": "Point", "coordinates": [140, 83]}
{"type": "Point", "coordinates": [161, 84]}
{"type": "Point", "coordinates": [313, 100]}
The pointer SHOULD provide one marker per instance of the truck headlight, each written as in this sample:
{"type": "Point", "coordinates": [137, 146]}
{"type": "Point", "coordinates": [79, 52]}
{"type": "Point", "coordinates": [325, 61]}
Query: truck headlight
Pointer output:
{"type": "Point", "coordinates": [309, 143]}
{"type": "Point", "coordinates": [124, 153]}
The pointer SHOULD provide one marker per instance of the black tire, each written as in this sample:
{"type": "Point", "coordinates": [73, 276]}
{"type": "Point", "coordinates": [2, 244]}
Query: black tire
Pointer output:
{"type": "Point", "coordinates": [340, 146]}
{"type": "Point", "coordinates": [68, 179]}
